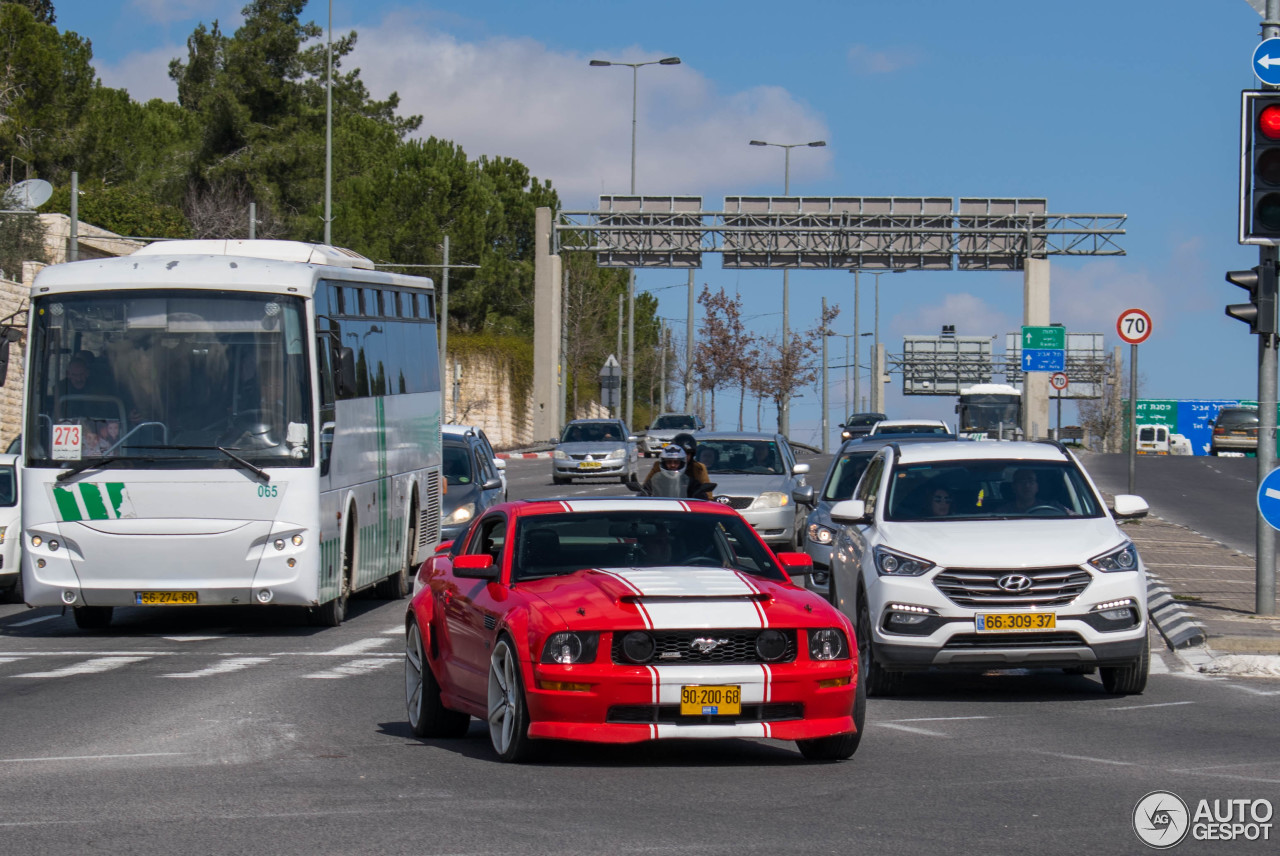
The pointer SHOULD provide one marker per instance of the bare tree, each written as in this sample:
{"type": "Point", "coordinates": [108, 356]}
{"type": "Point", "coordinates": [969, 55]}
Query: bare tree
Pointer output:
{"type": "Point", "coordinates": [788, 370]}
{"type": "Point", "coordinates": [1105, 419]}
{"type": "Point", "coordinates": [221, 210]}
{"type": "Point", "coordinates": [718, 352]}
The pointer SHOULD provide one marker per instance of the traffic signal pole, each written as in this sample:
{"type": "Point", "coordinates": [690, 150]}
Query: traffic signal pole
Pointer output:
{"type": "Point", "coordinates": [1268, 257]}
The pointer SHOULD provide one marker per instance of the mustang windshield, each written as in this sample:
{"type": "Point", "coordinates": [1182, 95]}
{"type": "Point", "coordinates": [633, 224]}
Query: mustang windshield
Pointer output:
{"type": "Point", "coordinates": [557, 544]}
{"type": "Point", "coordinates": [164, 378]}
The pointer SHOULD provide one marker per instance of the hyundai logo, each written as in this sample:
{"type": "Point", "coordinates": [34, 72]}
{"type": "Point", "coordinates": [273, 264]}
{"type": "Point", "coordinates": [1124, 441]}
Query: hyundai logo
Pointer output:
{"type": "Point", "coordinates": [1014, 582]}
{"type": "Point", "coordinates": [704, 645]}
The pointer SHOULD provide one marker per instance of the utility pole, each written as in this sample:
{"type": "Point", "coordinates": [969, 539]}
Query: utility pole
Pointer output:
{"type": "Point", "coordinates": [825, 336]}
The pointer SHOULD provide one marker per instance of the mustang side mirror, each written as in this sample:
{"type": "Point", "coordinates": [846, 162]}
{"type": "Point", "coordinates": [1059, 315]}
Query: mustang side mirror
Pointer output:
{"type": "Point", "coordinates": [796, 564]}
{"type": "Point", "coordinates": [476, 567]}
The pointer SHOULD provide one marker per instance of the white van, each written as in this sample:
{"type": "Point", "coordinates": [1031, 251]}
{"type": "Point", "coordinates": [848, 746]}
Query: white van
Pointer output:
{"type": "Point", "coordinates": [1153, 439]}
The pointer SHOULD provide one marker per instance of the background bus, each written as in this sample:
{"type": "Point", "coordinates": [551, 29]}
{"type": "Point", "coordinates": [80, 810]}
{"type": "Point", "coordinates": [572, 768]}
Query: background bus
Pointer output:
{"type": "Point", "coordinates": [228, 422]}
{"type": "Point", "coordinates": [989, 411]}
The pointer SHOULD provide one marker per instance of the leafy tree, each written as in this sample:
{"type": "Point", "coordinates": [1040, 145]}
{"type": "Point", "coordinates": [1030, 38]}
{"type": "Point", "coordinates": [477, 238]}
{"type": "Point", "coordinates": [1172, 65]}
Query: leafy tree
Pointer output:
{"type": "Point", "coordinates": [41, 10]}
{"type": "Point", "coordinates": [21, 240]}
{"type": "Point", "coordinates": [122, 209]}
{"type": "Point", "coordinates": [45, 85]}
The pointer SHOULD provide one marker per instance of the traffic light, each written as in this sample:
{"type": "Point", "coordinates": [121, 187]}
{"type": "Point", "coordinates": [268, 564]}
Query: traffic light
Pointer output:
{"type": "Point", "coordinates": [1260, 312]}
{"type": "Point", "coordinates": [1260, 168]}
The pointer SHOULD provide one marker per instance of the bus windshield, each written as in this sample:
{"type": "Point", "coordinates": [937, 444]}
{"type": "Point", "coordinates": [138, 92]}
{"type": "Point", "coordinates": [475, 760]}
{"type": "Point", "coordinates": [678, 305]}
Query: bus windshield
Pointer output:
{"type": "Point", "coordinates": [169, 377]}
{"type": "Point", "coordinates": [986, 412]}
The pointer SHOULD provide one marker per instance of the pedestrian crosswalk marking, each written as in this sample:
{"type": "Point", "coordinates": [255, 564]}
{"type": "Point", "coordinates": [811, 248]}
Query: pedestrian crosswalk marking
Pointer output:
{"type": "Point", "coordinates": [353, 667]}
{"type": "Point", "coordinates": [222, 667]}
{"type": "Point", "coordinates": [86, 667]}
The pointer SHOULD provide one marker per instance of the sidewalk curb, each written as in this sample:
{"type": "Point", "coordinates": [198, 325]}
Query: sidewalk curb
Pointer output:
{"type": "Point", "coordinates": [524, 454]}
{"type": "Point", "coordinates": [1175, 624]}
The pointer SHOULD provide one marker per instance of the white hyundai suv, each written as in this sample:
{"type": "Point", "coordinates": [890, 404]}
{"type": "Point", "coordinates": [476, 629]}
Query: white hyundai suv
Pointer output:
{"type": "Point", "coordinates": [989, 556]}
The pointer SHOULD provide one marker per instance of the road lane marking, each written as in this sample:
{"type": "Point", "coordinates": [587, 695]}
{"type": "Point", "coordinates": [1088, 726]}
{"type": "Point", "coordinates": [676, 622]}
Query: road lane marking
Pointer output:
{"type": "Point", "coordinates": [35, 620]}
{"type": "Point", "coordinates": [394, 631]}
{"type": "Point", "coordinates": [90, 757]}
{"type": "Point", "coordinates": [354, 667]}
{"type": "Point", "coordinates": [360, 646]}
{"type": "Point", "coordinates": [189, 638]}
{"type": "Point", "coordinates": [1110, 761]}
{"type": "Point", "coordinates": [938, 719]}
{"type": "Point", "coordinates": [926, 732]}
{"type": "Point", "coordinates": [88, 667]}
{"type": "Point", "coordinates": [1146, 706]}
{"type": "Point", "coordinates": [222, 667]}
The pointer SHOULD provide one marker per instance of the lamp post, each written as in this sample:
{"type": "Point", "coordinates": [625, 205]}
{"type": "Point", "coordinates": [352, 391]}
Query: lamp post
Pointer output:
{"type": "Point", "coordinates": [328, 136]}
{"type": "Point", "coordinates": [631, 274]}
{"type": "Point", "coordinates": [784, 412]}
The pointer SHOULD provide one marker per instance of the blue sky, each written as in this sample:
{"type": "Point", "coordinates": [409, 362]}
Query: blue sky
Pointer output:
{"type": "Point", "coordinates": [1113, 106]}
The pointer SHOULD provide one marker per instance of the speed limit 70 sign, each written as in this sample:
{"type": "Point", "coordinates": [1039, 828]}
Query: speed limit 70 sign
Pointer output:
{"type": "Point", "coordinates": [1134, 326]}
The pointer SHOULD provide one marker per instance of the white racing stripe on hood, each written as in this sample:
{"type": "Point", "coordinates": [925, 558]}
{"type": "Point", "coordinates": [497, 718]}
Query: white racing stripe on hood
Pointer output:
{"type": "Point", "coordinates": [624, 505]}
{"type": "Point", "coordinates": [716, 597]}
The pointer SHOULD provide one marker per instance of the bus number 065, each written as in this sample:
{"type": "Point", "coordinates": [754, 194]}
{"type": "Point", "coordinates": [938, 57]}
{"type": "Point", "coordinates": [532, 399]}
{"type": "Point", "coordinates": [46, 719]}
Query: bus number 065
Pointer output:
{"type": "Point", "coordinates": [267, 490]}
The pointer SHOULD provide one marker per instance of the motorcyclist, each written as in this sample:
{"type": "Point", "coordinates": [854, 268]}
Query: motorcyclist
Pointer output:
{"type": "Point", "coordinates": [696, 483]}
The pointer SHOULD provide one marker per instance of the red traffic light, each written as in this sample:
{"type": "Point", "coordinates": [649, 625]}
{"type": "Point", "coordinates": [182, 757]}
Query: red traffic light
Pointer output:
{"type": "Point", "coordinates": [1269, 122]}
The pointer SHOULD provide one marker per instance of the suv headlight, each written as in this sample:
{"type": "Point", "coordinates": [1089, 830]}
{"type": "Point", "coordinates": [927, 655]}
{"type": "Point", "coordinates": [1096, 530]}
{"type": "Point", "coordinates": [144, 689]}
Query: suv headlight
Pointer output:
{"type": "Point", "coordinates": [891, 563]}
{"type": "Point", "coordinates": [770, 499]}
{"type": "Point", "coordinates": [1122, 558]}
{"type": "Point", "coordinates": [568, 647]}
{"type": "Point", "coordinates": [820, 534]}
{"type": "Point", "coordinates": [461, 514]}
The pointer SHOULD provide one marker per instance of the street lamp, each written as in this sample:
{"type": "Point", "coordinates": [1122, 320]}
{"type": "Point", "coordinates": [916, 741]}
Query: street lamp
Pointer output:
{"type": "Point", "coordinates": [784, 412]}
{"type": "Point", "coordinates": [631, 274]}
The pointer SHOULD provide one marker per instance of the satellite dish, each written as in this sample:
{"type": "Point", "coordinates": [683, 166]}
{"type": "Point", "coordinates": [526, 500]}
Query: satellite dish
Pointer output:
{"type": "Point", "coordinates": [29, 194]}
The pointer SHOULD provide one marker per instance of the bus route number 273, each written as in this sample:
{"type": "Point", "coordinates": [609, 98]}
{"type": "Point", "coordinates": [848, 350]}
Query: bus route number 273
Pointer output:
{"type": "Point", "coordinates": [267, 490]}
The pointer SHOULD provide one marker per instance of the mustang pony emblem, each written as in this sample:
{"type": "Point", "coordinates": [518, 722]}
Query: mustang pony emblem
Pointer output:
{"type": "Point", "coordinates": [704, 645]}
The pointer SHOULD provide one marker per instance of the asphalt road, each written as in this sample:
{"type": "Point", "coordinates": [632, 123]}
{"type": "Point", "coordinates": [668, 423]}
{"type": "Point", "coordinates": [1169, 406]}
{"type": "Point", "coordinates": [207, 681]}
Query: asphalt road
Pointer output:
{"type": "Point", "coordinates": [207, 731]}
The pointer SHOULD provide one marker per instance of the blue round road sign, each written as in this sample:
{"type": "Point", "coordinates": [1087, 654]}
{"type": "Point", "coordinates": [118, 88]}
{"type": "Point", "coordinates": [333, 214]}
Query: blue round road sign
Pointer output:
{"type": "Point", "coordinates": [1266, 61]}
{"type": "Point", "coordinates": [1269, 498]}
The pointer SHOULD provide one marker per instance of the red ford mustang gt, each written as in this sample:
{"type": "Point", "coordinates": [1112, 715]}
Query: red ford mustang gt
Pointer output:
{"type": "Point", "coordinates": [624, 620]}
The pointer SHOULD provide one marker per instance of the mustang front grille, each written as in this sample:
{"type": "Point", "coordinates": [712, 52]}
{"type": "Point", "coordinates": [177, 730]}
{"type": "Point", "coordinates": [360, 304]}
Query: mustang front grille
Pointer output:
{"type": "Point", "coordinates": [698, 647]}
{"type": "Point", "coordinates": [981, 589]}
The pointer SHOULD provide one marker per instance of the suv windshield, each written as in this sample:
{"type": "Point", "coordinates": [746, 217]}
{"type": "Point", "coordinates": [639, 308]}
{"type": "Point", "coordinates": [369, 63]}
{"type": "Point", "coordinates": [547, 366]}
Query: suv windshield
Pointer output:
{"type": "Point", "coordinates": [988, 490]}
{"type": "Point", "coordinates": [169, 377]}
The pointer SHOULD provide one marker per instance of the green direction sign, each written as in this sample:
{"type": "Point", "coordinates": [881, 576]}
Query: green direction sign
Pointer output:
{"type": "Point", "coordinates": [1044, 337]}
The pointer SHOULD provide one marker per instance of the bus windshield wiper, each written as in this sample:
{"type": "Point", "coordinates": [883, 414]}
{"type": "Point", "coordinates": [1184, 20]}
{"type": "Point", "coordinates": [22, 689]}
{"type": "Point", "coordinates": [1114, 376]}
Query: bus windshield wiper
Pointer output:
{"type": "Point", "coordinates": [96, 463]}
{"type": "Point", "coordinates": [253, 468]}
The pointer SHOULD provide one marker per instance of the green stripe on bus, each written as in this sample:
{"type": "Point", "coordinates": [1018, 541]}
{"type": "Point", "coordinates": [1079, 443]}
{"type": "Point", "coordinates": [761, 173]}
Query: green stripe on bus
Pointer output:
{"type": "Point", "coordinates": [93, 503]}
{"type": "Point", "coordinates": [115, 492]}
{"type": "Point", "coordinates": [68, 510]}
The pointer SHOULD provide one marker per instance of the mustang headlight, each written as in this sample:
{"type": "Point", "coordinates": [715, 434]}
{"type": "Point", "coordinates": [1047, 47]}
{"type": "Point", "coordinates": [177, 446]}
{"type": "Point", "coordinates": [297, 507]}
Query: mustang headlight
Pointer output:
{"type": "Point", "coordinates": [820, 534]}
{"type": "Point", "coordinates": [828, 644]}
{"type": "Point", "coordinates": [568, 647]}
{"type": "Point", "coordinates": [638, 646]}
{"type": "Point", "coordinates": [461, 514]}
{"type": "Point", "coordinates": [771, 645]}
{"type": "Point", "coordinates": [771, 499]}
{"type": "Point", "coordinates": [559, 455]}
{"type": "Point", "coordinates": [891, 563]}
{"type": "Point", "coordinates": [1122, 558]}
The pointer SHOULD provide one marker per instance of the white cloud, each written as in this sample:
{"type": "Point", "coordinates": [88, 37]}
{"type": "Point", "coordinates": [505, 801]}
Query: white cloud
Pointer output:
{"type": "Point", "coordinates": [145, 75]}
{"type": "Point", "coordinates": [1090, 299]}
{"type": "Point", "coordinates": [571, 123]}
{"type": "Point", "coordinates": [867, 60]}
{"type": "Point", "coordinates": [971, 315]}
{"type": "Point", "coordinates": [167, 11]}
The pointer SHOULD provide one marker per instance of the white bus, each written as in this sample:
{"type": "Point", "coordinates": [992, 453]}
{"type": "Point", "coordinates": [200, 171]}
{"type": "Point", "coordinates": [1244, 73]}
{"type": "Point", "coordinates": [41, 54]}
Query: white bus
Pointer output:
{"type": "Point", "coordinates": [228, 422]}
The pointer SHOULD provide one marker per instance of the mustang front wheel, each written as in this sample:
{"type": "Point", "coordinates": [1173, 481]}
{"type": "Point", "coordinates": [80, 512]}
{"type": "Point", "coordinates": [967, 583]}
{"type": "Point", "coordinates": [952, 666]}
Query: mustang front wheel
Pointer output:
{"type": "Point", "coordinates": [508, 713]}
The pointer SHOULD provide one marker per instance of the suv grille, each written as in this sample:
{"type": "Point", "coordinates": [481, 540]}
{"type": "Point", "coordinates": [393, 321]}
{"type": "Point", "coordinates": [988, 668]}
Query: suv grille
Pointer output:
{"type": "Point", "coordinates": [675, 647]}
{"type": "Point", "coordinates": [1061, 639]}
{"type": "Point", "coordinates": [979, 589]}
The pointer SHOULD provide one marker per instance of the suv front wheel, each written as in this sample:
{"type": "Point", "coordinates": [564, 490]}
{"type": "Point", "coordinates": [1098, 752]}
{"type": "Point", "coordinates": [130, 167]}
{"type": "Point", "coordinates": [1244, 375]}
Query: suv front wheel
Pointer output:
{"type": "Point", "coordinates": [879, 681]}
{"type": "Point", "coordinates": [1130, 679]}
